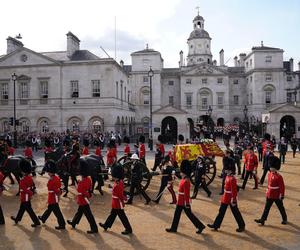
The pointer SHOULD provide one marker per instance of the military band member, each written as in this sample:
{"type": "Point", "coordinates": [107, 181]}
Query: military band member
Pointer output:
{"type": "Point", "coordinates": [167, 179]}
{"type": "Point", "coordinates": [26, 192]}
{"type": "Point", "coordinates": [275, 192]}
{"type": "Point", "coordinates": [229, 198]}
{"type": "Point", "coordinates": [251, 163]}
{"type": "Point", "coordinates": [118, 199]}
{"type": "Point", "coordinates": [136, 179]}
{"type": "Point", "coordinates": [183, 202]}
{"type": "Point", "coordinates": [84, 190]}
{"type": "Point", "coordinates": [200, 171]}
{"type": "Point", "coordinates": [54, 193]}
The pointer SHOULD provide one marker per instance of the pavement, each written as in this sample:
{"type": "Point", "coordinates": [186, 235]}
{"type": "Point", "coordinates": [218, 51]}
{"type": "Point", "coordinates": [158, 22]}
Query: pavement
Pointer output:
{"type": "Point", "coordinates": [149, 222]}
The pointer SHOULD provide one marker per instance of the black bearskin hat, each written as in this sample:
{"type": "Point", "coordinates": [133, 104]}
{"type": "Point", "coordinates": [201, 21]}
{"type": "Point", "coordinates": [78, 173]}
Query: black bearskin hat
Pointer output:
{"type": "Point", "coordinates": [28, 143]}
{"type": "Point", "coordinates": [231, 167]}
{"type": "Point", "coordinates": [126, 139]}
{"type": "Point", "coordinates": [111, 144]}
{"type": "Point", "coordinates": [267, 136]}
{"type": "Point", "coordinates": [274, 162]}
{"type": "Point", "coordinates": [50, 166]}
{"type": "Point", "coordinates": [117, 171]}
{"type": "Point", "coordinates": [185, 167]}
{"type": "Point", "coordinates": [86, 142]}
{"type": "Point", "coordinates": [160, 138]}
{"type": "Point", "coordinates": [180, 137]}
{"type": "Point", "coordinates": [25, 166]}
{"type": "Point", "coordinates": [142, 139]}
{"type": "Point", "coordinates": [47, 142]}
{"type": "Point", "coordinates": [84, 167]}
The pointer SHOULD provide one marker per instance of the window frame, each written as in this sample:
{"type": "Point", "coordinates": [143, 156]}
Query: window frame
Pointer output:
{"type": "Point", "coordinates": [74, 88]}
{"type": "Point", "coordinates": [96, 90]}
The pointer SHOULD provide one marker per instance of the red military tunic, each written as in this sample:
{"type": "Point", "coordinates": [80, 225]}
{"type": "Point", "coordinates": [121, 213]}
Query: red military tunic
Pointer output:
{"type": "Point", "coordinates": [28, 152]}
{"type": "Point", "coordinates": [85, 151]}
{"type": "Point", "coordinates": [162, 149]}
{"type": "Point", "coordinates": [48, 150]}
{"type": "Point", "coordinates": [264, 146]}
{"type": "Point", "coordinates": [54, 191]}
{"type": "Point", "coordinates": [26, 185]}
{"type": "Point", "coordinates": [111, 156]}
{"type": "Point", "coordinates": [84, 187]}
{"type": "Point", "coordinates": [127, 149]}
{"type": "Point", "coordinates": [230, 190]}
{"type": "Point", "coordinates": [275, 186]}
{"type": "Point", "coordinates": [11, 151]}
{"type": "Point", "coordinates": [142, 151]}
{"type": "Point", "coordinates": [251, 162]}
{"type": "Point", "coordinates": [118, 198]}
{"type": "Point", "coordinates": [184, 192]}
{"type": "Point", "coordinates": [98, 151]}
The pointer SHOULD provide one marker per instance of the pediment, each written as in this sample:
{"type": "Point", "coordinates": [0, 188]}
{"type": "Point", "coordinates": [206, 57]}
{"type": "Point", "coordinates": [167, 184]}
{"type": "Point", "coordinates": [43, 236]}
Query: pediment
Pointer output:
{"type": "Point", "coordinates": [169, 110]}
{"type": "Point", "coordinates": [26, 57]}
{"type": "Point", "coordinates": [285, 108]}
{"type": "Point", "coordinates": [203, 69]}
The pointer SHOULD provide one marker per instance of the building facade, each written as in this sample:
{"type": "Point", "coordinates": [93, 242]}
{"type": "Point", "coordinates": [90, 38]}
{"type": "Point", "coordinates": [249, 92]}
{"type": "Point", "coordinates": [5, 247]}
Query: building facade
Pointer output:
{"type": "Point", "coordinates": [77, 90]}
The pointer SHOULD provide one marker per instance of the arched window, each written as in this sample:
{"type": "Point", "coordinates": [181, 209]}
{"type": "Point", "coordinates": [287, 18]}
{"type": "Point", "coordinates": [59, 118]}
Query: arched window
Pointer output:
{"type": "Point", "coordinates": [204, 98]}
{"type": "Point", "coordinates": [74, 124]}
{"type": "Point", "coordinates": [44, 126]}
{"type": "Point", "coordinates": [269, 96]}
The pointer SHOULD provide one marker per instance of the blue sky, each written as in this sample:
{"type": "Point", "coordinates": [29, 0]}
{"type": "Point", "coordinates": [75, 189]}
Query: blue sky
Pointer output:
{"type": "Point", "coordinates": [234, 25]}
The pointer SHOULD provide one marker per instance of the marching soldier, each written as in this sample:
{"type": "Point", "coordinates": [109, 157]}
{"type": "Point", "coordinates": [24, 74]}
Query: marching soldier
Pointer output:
{"type": "Point", "coordinates": [229, 198]}
{"type": "Point", "coordinates": [167, 179]}
{"type": "Point", "coordinates": [200, 171]}
{"type": "Point", "coordinates": [126, 147]}
{"type": "Point", "coordinates": [111, 153]}
{"type": "Point", "coordinates": [251, 168]}
{"type": "Point", "coordinates": [183, 202]}
{"type": "Point", "coordinates": [26, 192]}
{"type": "Point", "coordinates": [275, 192]}
{"type": "Point", "coordinates": [84, 193]}
{"type": "Point", "coordinates": [54, 193]}
{"type": "Point", "coordinates": [282, 147]}
{"type": "Point", "coordinates": [85, 149]}
{"type": "Point", "coordinates": [142, 149]}
{"type": "Point", "coordinates": [118, 199]}
{"type": "Point", "coordinates": [98, 149]}
{"type": "Point", "coordinates": [2, 177]}
{"type": "Point", "coordinates": [158, 157]}
{"type": "Point", "coordinates": [266, 164]}
{"type": "Point", "coordinates": [228, 162]}
{"type": "Point", "coordinates": [29, 156]}
{"type": "Point", "coordinates": [136, 178]}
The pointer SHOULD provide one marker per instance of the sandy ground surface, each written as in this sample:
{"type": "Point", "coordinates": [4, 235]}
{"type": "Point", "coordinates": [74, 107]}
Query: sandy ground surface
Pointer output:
{"type": "Point", "coordinates": [149, 222]}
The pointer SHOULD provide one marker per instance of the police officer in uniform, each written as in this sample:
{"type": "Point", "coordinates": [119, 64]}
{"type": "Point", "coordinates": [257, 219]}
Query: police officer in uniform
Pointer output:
{"type": "Point", "coordinates": [275, 192]}
{"type": "Point", "coordinates": [136, 178]}
{"type": "Point", "coordinates": [183, 201]}
{"type": "Point", "coordinates": [26, 192]}
{"type": "Point", "coordinates": [54, 193]}
{"type": "Point", "coordinates": [200, 171]}
{"type": "Point", "coordinates": [229, 198]}
{"type": "Point", "coordinates": [84, 190]}
{"type": "Point", "coordinates": [118, 199]}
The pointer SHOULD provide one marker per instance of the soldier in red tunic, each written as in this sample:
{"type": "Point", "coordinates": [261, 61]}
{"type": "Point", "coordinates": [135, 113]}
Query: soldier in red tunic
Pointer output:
{"type": "Point", "coordinates": [98, 149]}
{"type": "Point", "coordinates": [275, 192]}
{"type": "Point", "coordinates": [26, 191]}
{"type": "Point", "coordinates": [251, 163]}
{"type": "Point", "coordinates": [111, 154]}
{"type": "Point", "coordinates": [142, 149]}
{"type": "Point", "coordinates": [183, 202]}
{"type": "Point", "coordinates": [54, 192]}
{"type": "Point", "coordinates": [29, 156]}
{"type": "Point", "coordinates": [2, 221]}
{"type": "Point", "coordinates": [161, 145]}
{"type": "Point", "coordinates": [117, 203]}
{"type": "Point", "coordinates": [84, 190]}
{"type": "Point", "coordinates": [85, 149]}
{"type": "Point", "coordinates": [229, 198]}
{"type": "Point", "coordinates": [127, 147]}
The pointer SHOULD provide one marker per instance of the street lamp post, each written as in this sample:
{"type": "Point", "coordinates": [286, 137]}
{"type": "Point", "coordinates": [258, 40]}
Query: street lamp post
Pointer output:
{"type": "Point", "coordinates": [209, 112]}
{"type": "Point", "coordinates": [150, 75]}
{"type": "Point", "coordinates": [14, 78]}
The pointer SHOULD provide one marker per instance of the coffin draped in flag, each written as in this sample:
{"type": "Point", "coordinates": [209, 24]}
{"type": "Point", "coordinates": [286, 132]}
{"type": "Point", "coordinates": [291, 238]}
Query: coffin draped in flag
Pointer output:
{"type": "Point", "coordinates": [191, 151]}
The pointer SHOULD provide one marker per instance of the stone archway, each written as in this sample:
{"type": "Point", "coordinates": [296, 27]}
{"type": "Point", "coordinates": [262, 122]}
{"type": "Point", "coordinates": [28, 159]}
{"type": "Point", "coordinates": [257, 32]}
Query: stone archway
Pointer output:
{"type": "Point", "coordinates": [169, 129]}
{"type": "Point", "coordinates": [287, 126]}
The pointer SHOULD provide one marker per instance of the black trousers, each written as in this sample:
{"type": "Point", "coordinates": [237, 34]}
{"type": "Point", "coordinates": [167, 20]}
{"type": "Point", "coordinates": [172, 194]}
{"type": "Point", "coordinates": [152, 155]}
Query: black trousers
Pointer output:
{"type": "Point", "coordinates": [163, 185]}
{"type": "Point", "coordinates": [137, 185]}
{"type": "Point", "coordinates": [236, 213]}
{"type": "Point", "coordinates": [197, 223]}
{"type": "Point", "coordinates": [244, 171]}
{"type": "Point", "coordinates": [294, 152]}
{"type": "Point", "coordinates": [56, 210]}
{"type": "Point", "coordinates": [269, 203]}
{"type": "Point", "coordinates": [200, 181]}
{"type": "Point", "coordinates": [282, 157]}
{"type": "Point", "coordinates": [262, 179]}
{"type": "Point", "coordinates": [86, 210]}
{"type": "Point", "coordinates": [260, 155]}
{"type": "Point", "coordinates": [238, 164]}
{"type": "Point", "coordinates": [156, 164]}
{"type": "Point", "coordinates": [248, 173]}
{"type": "Point", "coordinates": [26, 206]}
{"type": "Point", "coordinates": [2, 221]}
{"type": "Point", "coordinates": [121, 213]}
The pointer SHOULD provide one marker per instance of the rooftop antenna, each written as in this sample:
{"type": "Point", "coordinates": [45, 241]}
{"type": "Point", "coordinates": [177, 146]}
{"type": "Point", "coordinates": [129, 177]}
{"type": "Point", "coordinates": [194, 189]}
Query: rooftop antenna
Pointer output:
{"type": "Point", "coordinates": [105, 52]}
{"type": "Point", "coordinates": [18, 36]}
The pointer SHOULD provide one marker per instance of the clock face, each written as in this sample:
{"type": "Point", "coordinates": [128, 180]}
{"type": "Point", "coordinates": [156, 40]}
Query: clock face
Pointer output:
{"type": "Point", "coordinates": [24, 58]}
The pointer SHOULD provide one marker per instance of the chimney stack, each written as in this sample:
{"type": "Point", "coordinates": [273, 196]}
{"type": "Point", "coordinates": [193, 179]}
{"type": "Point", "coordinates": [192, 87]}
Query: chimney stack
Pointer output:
{"type": "Point", "coordinates": [122, 63]}
{"type": "Point", "coordinates": [291, 64]}
{"type": "Point", "coordinates": [242, 59]}
{"type": "Point", "coordinates": [235, 61]}
{"type": "Point", "coordinates": [221, 57]}
{"type": "Point", "coordinates": [181, 58]}
{"type": "Point", "coordinates": [215, 62]}
{"type": "Point", "coordinates": [13, 44]}
{"type": "Point", "coordinates": [73, 44]}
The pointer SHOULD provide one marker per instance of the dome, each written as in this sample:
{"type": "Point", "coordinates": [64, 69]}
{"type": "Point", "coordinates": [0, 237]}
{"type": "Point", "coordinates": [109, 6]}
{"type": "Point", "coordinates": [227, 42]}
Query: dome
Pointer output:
{"type": "Point", "coordinates": [198, 18]}
{"type": "Point", "coordinates": [199, 33]}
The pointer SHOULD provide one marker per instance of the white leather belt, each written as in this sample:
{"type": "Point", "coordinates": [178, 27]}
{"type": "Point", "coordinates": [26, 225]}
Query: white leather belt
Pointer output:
{"type": "Point", "coordinates": [273, 187]}
{"type": "Point", "coordinates": [180, 193]}
{"type": "Point", "coordinates": [228, 192]}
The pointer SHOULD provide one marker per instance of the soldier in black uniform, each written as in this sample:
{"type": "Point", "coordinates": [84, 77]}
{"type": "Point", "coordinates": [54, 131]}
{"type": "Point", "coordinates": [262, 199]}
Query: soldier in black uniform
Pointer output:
{"type": "Point", "coordinates": [200, 171]}
{"type": "Point", "coordinates": [136, 178]}
{"type": "Point", "coordinates": [266, 164]}
{"type": "Point", "coordinates": [158, 157]}
{"type": "Point", "coordinates": [228, 162]}
{"type": "Point", "coordinates": [294, 146]}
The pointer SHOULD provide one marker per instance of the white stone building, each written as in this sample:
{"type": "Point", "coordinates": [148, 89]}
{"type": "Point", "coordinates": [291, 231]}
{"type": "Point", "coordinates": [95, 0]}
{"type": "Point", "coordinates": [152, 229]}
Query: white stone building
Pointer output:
{"type": "Point", "coordinates": [76, 89]}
